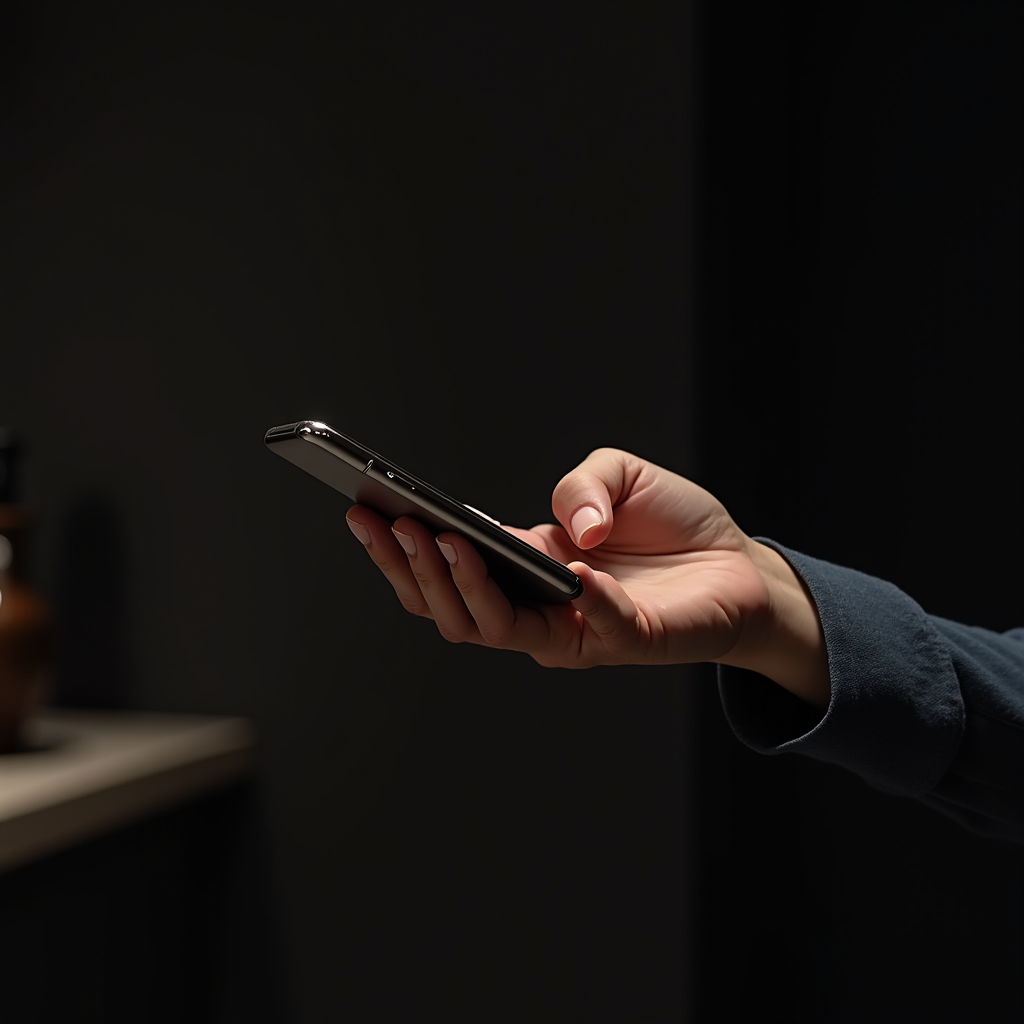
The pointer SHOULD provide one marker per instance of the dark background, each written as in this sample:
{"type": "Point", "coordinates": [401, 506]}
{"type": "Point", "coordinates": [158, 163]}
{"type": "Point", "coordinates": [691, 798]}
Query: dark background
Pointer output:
{"type": "Point", "coordinates": [774, 246]}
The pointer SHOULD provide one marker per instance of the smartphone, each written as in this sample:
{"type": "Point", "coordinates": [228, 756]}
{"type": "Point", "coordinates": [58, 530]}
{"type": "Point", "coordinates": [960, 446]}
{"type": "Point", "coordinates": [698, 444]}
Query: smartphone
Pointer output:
{"type": "Point", "coordinates": [526, 575]}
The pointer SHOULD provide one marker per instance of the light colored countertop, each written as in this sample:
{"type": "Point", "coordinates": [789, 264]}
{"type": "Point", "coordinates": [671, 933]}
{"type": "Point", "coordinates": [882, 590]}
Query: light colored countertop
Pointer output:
{"type": "Point", "coordinates": [90, 772]}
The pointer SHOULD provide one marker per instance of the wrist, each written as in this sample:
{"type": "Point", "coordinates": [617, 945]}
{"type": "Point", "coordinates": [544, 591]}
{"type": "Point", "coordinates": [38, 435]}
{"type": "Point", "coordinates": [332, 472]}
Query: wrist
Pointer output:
{"type": "Point", "coordinates": [783, 640]}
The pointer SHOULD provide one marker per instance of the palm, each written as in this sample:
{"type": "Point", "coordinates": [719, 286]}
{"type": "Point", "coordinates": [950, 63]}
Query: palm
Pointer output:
{"type": "Point", "coordinates": [681, 560]}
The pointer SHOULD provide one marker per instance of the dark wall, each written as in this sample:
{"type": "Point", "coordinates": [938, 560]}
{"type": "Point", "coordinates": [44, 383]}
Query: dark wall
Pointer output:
{"type": "Point", "coordinates": [465, 233]}
{"type": "Point", "coordinates": [462, 233]}
{"type": "Point", "coordinates": [860, 367]}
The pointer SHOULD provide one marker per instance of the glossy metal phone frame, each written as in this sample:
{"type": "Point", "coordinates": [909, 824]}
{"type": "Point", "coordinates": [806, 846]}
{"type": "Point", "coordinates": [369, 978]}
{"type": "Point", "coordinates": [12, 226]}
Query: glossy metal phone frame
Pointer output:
{"type": "Point", "coordinates": [525, 574]}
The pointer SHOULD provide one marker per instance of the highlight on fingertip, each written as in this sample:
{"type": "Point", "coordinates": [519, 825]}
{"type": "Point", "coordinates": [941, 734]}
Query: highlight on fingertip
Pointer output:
{"type": "Point", "coordinates": [407, 541]}
{"type": "Point", "coordinates": [584, 519]}
{"type": "Point", "coordinates": [362, 534]}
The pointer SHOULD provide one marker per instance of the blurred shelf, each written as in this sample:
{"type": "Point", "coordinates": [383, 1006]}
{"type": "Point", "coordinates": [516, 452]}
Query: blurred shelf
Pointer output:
{"type": "Point", "coordinates": [89, 772]}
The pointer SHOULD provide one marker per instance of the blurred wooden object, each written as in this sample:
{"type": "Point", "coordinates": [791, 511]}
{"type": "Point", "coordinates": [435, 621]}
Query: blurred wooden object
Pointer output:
{"type": "Point", "coordinates": [26, 627]}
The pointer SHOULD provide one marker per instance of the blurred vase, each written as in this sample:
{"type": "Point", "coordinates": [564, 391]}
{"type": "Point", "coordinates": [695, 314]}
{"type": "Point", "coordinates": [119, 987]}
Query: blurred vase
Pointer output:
{"type": "Point", "coordinates": [26, 624]}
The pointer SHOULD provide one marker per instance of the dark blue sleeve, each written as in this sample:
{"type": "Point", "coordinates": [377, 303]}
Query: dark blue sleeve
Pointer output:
{"type": "Point", "coordinates": [921, 707]}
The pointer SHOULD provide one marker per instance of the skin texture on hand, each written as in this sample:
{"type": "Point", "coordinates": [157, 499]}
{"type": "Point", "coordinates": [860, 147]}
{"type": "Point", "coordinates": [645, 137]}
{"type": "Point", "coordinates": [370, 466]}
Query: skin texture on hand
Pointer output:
{"type": "Point", "coordinates": [668, 578]}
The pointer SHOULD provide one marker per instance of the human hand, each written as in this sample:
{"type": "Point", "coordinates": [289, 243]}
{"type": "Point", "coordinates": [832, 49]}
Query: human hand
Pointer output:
{"type": "Point", "coordinates": [668, 578]}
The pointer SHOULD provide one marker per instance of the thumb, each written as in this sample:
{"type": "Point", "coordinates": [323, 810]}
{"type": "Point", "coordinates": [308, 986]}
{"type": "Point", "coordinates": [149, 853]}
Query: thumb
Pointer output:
{"type": "Point", "coordinates": [583, 499]}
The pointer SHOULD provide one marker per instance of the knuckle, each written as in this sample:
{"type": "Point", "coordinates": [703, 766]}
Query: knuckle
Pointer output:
{"type": "Point", "coordinates": [415, 605]}
{"type": "Point", "coordinates": [494, 638]}
{"type": "Point", "coordinates": [564, 490]}
{"type": "Point", "coordinates": [453, 636]}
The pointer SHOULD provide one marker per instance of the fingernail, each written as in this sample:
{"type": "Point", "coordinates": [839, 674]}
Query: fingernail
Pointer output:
{"type": "Point", "coordinates": [586, 518]}
{"type": "Point", "coordinates": [406, 541]}
{"type": "Point", "coordinates": [361, 532]}
{"type": "Point", "coordinates": [449, 552]}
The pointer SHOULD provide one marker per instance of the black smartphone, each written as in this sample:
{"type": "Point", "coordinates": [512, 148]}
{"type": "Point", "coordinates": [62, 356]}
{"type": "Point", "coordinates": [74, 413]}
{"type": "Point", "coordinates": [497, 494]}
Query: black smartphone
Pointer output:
{"type": "Point", "coordinates": [526, 575]}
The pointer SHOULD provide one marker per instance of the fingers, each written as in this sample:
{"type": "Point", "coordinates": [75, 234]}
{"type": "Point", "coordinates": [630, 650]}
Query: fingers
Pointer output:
{"type": "Point", "coordinates": [433, 577]}
{"type": "Point", "coordinates": [374, 533]}
{"type": "Point", "coordinates": [446, 579]}
{"type": "Point", "coordinates": [601, 627]}
{"type": "Point", "coordinates": [497, 622]}
{"type": "Point", "coordinates": [583, 499]}
{"type": "Point", "coordinates": [412, 563]}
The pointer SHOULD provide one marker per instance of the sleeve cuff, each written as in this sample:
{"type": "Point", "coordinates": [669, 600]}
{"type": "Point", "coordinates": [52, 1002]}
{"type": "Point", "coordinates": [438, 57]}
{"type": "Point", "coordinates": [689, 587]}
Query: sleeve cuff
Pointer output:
{"type": "Point", "coordinates": [896, 716]}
